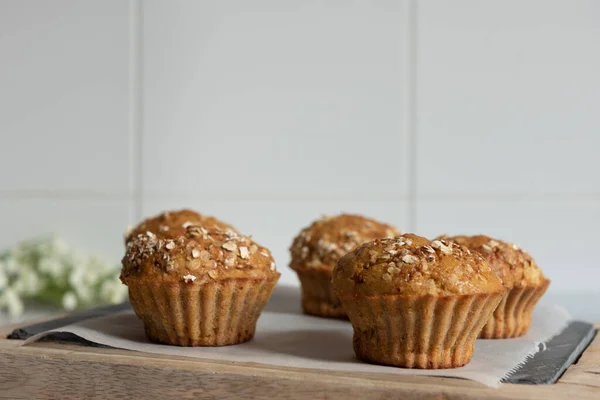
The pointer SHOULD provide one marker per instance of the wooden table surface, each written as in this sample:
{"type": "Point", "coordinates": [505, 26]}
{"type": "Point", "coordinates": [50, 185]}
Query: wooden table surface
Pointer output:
{"type": "Point", "coordinates": [52, 370]}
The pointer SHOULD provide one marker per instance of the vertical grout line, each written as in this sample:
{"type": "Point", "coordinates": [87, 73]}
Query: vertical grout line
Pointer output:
{"type": "Point", "coordinates": [411, 117]}
{"type": "Point", "coordinates": [135, 108]}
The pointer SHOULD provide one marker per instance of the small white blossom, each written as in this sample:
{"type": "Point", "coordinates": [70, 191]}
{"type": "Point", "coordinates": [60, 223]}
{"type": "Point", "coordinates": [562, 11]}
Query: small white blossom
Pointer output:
{"type": "Point", "coordinates": [69, 301]}
{"type": "Point", "coordinates": [13, 303]}
{"type": "Point", "coordinates": [76, 276]}
{"type": "Point", "coordinates": [84, 293]}
{"type": "Point", "coordinates": [58, 246]}
{"type": "Point", "coordinates": [100, 266]}
{"type": "Point", "coordinates": [11, 266]}
{"type": "Point", "coordinates": [46, 269]}
{"type": "Point", "coordinates": [52, 266]}
{"type": "Point", "coordinates": [113, 292]}
{"type": "Point", "coordinates": [91, 276]}
{"type": "Point", "coordinates": [30, 282]}
{"type": "Point", "coordinates": [3, 279]}
{"type": "Point", "coordinates": [76, 258]}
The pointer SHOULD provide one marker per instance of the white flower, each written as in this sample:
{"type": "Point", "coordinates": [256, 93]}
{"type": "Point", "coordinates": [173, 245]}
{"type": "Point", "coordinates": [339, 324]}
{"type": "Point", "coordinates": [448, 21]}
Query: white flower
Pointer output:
{"type": "Point", "coordinates": [69, 301]}
{"type": "Point", "coordinates": [42, 248]}
{"type": "Point", "coordinates": [63, 275]}
{"type": "Point", "coordinates": [84, 293]}
{"type": "Point", "coordinates": [76, 276]}
{"type": "Point", "coordinates": [11, 266]}
{"type": "Point", "coordinates": [52, 266]}
{"type": "Point", "coordinates": [19, 252]}
{"type": "Point", "coordinates": [76, 258]}
{"type": "Point", "coordinates": [13, 303]}
{"type": "Point", "coordinates": [3, 279]}
{"type": "Point", "coordinates": [29, 282]}
{"type": "Point", "coordinates": [18, 286]}
{"type": "Point", "coordinates": [113, 292]}
{"type": "Point", "coordinates": [101, 267]}
{"type": "Point", "coordinates": [91, 277]}
{"type": "Point", "coordinates": [58, 245]}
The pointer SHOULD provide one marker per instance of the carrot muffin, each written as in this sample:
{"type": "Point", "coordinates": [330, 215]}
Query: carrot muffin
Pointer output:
{"type": "Point", "coordinates": [201, 287]}
{"type": "Point", "coordinates": [316, 250]}
{"type": "Point", "coordinates": [520, 275]}
{"type": "Point", "coordinates": [161, 224]}
{"type": "Point", "coordinates": [415, 303]}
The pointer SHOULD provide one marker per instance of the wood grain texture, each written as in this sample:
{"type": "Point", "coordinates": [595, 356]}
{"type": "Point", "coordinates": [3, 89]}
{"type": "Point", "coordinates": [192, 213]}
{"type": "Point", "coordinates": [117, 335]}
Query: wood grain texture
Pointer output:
{"type": "Point", "coordinates": [51, 370]}
{"type": "Point", "coordinates": [592, 353]}
{"type": "Point", "coordinates": [587, 369]}
{"type": "Point", "coordinates": [46, 370]}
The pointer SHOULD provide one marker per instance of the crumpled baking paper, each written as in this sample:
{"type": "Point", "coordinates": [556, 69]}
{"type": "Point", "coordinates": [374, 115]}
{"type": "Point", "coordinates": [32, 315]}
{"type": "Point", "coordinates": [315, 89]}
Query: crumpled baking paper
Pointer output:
{"type": "Point", "coordinates": [285, 337]}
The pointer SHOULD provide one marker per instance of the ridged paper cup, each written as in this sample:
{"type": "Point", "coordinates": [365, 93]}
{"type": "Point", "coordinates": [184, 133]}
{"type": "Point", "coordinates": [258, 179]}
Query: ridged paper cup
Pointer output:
{"type": "Point", "coordinates": [215, 313]}
{"type": "Point", "coordinates": [418, 332]}
{"type": "Point", "coordinates": [318, 297]}
{"type": "Point", "coordinates": [512, 317]}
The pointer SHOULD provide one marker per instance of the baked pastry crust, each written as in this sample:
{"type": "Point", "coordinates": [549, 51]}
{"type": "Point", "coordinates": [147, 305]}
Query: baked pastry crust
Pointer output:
{"type": "Point", "coordinates": [195, 255]}
{"type": "Point", "coordinates": [326, 240]}
{"type": "Point", "coordinates": [416, 303]}
{"type": "Point", "coordinates": [515, 267]}
{"type": "Point", "coordinates": [163, 223]}
{"type": "Point", "coordinates": [412, 265]}
{"type": "Point", "coordinates": [318, 247]}
{"type": "Point", "coordinates": [522, 277]}
{"type": "Point", "coordinates": [196, 286]}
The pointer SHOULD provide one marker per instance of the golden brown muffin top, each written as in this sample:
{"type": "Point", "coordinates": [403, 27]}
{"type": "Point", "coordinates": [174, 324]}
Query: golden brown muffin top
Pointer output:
{"type": "Point", "coordinates": [514, 267]}
{"type": "Point", "coordinates": [195, 255]}
{"type": "Point", "coordinates": [161, 224]}
{"type": "Point", "coordinates": [411, 265]}
{"type": "Point", "coordinates": [326, 240]}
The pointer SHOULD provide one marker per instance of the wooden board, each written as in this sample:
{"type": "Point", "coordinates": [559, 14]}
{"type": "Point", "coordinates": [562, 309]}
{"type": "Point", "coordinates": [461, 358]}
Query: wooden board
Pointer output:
{"type": "Point", "coordinates": [52, 370]}
{"type": "Point", "coordinates": [545, 367]}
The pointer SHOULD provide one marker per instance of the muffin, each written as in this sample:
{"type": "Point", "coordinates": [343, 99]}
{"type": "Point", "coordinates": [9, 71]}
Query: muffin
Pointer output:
{"type": "Point", "coordinates": [415, 303]}
{"type": "Point", "coordinates": [204, 288]}
{"type": "Point", "coordinates": [520, 275]}
{"type": "Point", "coordinates": [316, 250]}
{"type": "Point", "coordinates": [161, 224]}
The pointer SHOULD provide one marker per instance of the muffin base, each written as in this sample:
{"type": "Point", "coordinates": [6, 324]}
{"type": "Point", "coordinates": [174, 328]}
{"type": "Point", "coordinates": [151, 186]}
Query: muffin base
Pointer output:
{"type": "Point", "coordinates": [418, 332]}
{"type": "Point", "coordinates": [215, 313]}
{"type": "Point", "coordinates": [318, 297]}
{"type": "Point", "coordinates": [512, 317]}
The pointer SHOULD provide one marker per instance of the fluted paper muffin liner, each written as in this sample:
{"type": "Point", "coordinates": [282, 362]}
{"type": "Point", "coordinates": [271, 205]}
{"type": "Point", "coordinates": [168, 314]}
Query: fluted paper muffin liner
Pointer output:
{"type": "Point", "coordinates": [318, 297]}
{"type": "Point", "coordinates": [418, 332]}
{"type": "Point", "coordinates": [512, 317]}
{"type": "Point", "coordinates": [216, 313]}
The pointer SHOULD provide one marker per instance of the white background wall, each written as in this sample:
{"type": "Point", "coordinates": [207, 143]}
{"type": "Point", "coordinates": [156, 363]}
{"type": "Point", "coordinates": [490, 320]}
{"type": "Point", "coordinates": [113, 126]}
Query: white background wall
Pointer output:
{"type": "Point", "coordinates": [437, 116]}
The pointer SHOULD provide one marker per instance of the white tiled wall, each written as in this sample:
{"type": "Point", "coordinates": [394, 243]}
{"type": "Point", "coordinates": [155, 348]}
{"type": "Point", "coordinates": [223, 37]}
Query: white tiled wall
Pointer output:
{"type": "Point", "coordinates": [63, 96]}
{"type": "Point", "coordinates": [65, 147]}
{"type": "Point", "coordinates": [507, 127]}
{"type": "Point", "coordinates": [508, 98]}
{"type": "Point", "coordinates": [271, 97]}
{"type": "Point", "coordinates": [461, 116]}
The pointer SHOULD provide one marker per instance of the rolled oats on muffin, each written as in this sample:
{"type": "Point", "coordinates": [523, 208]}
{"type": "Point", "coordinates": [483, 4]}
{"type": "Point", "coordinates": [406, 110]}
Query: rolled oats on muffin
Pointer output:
{"type": "Point", "coordinates": [163, 223]}
{"type": "Point", "coordinates": [520, 275]}
{"type": "Point", "coordinates": [415, 303]}
{"type": "Point", "coordinates": [318, 247]}
{"type": "Point", "coordinates": [199, 286]}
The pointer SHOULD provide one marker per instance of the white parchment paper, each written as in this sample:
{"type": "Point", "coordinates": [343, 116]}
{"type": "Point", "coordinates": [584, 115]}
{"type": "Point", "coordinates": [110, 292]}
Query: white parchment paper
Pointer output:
{"type": "Point", "coordinates": [285, 337]}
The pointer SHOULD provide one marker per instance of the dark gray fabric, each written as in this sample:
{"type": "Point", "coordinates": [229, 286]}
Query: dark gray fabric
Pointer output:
{"type": "Point", "coordinates": [560, 352]}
